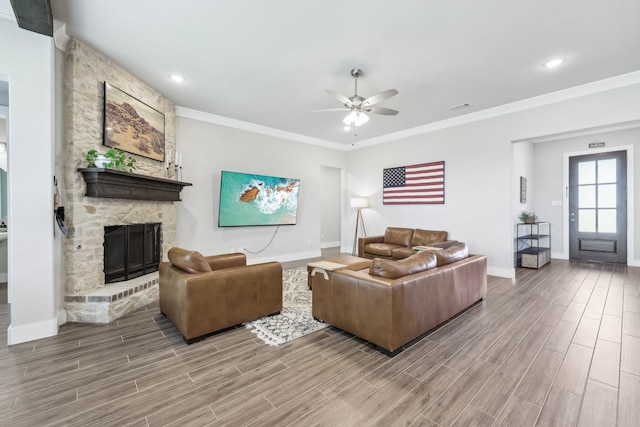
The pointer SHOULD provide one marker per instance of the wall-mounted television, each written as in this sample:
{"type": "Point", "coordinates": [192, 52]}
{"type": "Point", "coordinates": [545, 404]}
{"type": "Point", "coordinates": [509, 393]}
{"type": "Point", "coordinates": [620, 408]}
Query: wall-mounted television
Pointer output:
{"type": "Point", "coordinates": [249, 199]}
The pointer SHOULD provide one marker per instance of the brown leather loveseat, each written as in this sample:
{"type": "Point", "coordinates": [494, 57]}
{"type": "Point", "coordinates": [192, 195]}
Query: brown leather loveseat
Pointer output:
{"type": "Point", "coordinates": [398, 242]}
{"type": "Point", "coordinates": [391, 303]}
{"type": "Point", "coordinates": [201, 295]}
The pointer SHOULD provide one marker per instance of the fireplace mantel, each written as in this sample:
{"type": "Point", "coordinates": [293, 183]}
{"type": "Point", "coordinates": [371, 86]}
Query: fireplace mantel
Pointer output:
{"type": "Point", "coordinates": [115, 184]}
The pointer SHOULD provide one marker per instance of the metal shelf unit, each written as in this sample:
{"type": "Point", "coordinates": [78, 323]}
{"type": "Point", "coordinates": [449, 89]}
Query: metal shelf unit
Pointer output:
{"type": "Point", "coordinates": [534, 244]}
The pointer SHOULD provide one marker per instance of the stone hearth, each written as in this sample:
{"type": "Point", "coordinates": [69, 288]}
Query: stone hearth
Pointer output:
{"type": "Point", "coordinates": [113, 301]}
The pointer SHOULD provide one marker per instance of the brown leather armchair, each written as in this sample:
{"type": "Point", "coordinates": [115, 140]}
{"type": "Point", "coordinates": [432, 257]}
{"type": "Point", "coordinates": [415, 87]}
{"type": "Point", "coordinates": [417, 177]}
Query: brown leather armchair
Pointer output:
{"type": "Point", "coordinates": [202, 295]}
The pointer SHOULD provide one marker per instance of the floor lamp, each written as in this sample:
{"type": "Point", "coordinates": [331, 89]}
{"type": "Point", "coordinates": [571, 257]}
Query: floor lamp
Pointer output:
{"type": "Point", "coordinates": [358, 203]}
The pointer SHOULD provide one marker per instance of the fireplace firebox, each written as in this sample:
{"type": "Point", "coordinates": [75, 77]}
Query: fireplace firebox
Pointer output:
{"type": "Point", "coordinates": [131, 251]}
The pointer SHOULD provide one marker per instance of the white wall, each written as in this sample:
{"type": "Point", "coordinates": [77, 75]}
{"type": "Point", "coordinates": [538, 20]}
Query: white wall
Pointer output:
{"type": "Point", "coordinates": [207, 149]}
{"type": "Point", "coordinates": [477, 187]}
{"type": "Point", "coordinates": [522, 167]}
{"type": "Point", "coordinates": [27, 64]}
{"type": "Point", "coordinates": [479, 171]}
{"type": "Point", "coordinates": [58, 169]}
{"type": "Point", "coordinates": [549, 177]}
{"type": "Point", "coordinates": [330, 205]}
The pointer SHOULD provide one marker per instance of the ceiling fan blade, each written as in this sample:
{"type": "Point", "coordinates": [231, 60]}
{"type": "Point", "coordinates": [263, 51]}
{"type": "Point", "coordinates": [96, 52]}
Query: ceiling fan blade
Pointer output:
{"type": "Point", "coordinates": [383, 111]}
{"type": "Point", "coordinates": [380, 97]}
{"type": "Point", "coordinates": [330, 109]}
{"type": "Point", "coordinates": [340, 97]}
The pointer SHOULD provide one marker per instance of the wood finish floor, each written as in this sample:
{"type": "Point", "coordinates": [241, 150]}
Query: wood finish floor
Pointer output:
{"type": "Point", "coordinates": [558, 346]}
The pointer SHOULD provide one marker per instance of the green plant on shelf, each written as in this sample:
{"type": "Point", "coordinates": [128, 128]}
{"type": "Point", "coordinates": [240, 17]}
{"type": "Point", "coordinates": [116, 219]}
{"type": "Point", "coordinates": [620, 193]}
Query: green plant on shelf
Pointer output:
{"type": "Point", "coordinates": [527, 217]}
{"type": "Point", "coordinates": [116, 159]}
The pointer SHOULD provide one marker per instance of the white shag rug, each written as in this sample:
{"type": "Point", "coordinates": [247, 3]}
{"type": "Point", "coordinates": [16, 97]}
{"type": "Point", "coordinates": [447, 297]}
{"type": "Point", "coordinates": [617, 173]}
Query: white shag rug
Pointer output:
{"type": "Point", "coordinates": [295, 319]}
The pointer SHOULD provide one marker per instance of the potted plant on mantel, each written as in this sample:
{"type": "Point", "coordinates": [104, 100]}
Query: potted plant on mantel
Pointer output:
{"type": "Point", "coordinates": [113, 158]}
{"type": "Point", "coordinates": [528, 217]}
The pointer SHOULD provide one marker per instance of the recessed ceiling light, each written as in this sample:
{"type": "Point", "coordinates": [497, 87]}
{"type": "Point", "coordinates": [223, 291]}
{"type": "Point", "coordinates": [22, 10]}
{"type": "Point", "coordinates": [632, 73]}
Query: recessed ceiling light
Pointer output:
{"type": "Point", "coordinates": [553, 63]}
{"type": "Point", "coordinates": [177, 78]}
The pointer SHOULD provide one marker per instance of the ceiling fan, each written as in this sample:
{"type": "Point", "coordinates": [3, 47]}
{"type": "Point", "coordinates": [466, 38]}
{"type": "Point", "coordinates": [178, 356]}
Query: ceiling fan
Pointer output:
{"type": "Point", "coordinates": [358, 106]}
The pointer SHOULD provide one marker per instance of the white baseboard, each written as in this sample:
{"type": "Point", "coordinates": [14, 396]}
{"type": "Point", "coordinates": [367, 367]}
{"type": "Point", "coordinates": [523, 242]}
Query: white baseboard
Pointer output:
{"type": "Point", "coordinates": [32, 331]}
{"type": "Point", "coordinates": [326, 245]}
{"type": "Point", "coordinates": [559, 255]}
{"type": "Point", "coordinates": [509, 273]}
{"type": "Point", "coordinates": [285, 258]}
{"type": "Point", "coordinates": [346, 250]}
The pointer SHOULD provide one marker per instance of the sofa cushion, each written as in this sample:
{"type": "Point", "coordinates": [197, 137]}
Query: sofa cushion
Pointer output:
{"type": "Point", "coordinates": [189, 261]}
{"type": "Point", "coordinates": [398, 236]}
{"type": "Point", "coordinates": [391, 269]}
{"type": "Point", "coordinates": [425, 237]}
{"type": "Point", "coordinates": [401, 252]}
{"type": "Point", "coordinates": [452, 254]}
{"type": "Point", "coordinates": [380, 249]}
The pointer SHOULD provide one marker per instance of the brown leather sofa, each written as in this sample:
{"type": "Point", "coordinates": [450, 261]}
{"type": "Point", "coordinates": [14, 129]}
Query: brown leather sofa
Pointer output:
{"type": "Point", "coordinates": [394, 302]}
{"type": "Point", "coordinates": [202, 295]}
{"type": "Point", "coordinates": [398, 243]}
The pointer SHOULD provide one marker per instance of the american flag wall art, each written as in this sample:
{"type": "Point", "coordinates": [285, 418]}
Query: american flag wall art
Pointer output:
{"type": "Point", "coordinates": [416, 184]}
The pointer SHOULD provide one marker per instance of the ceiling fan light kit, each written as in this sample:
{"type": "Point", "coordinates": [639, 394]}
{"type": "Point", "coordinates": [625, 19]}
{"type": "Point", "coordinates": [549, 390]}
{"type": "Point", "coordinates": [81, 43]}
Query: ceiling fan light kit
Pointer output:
{"type": "Point", "coordinates": [355, 118]}
{"type": "Point", "coordinates": [358, 107]}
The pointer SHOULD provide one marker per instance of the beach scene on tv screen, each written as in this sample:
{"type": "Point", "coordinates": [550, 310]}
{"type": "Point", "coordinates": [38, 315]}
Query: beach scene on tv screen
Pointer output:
{"type": "Point", "coordinates": [247, 199]}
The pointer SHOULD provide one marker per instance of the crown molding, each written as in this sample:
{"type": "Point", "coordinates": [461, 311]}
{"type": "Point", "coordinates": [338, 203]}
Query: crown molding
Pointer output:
{"type": "Point", "coordinates": [252, 127]}
{"type": "Point", "coordinates": [582, 132]}
{"type": "Point", "coordinates": [60, 36]}
{"type": "Point", "coordinates": [525, 104]}
{"type": "Point", "coordinates": [514, 107]}
{"type": "Point", "coordinates": [7, 15]}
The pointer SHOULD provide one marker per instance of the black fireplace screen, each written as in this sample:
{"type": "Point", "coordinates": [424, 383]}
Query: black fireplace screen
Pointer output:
{"type": "Point", "coordinates": [131, 251]}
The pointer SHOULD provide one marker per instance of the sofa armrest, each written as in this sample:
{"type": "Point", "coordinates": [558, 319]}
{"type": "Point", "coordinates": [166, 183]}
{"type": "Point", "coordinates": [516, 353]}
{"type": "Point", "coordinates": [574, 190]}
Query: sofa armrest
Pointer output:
{"type": "Point", "coordinates": [443, 245]}
{"type": "Point", "coordinates": [363, 241]}
{"type": "Point", "coordinates": [219, 262]}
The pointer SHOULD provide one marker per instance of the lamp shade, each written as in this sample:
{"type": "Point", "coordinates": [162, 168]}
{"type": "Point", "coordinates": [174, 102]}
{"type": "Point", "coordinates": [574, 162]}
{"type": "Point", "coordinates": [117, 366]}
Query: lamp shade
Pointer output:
{"type": "Point", "coordinates": [359, 202]}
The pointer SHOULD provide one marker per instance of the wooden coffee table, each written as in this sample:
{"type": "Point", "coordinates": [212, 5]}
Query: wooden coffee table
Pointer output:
{"type": "Point", "coordinates": [322, 269]}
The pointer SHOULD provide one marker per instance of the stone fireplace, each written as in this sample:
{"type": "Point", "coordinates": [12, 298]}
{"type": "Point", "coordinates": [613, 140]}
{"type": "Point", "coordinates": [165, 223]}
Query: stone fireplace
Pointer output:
{"type": "Point", "coordinates": [88, 297]}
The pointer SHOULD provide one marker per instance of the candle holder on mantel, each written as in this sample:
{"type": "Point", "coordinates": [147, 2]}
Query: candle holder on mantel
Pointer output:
{"type": "Point", "coordinates": [169, 170]}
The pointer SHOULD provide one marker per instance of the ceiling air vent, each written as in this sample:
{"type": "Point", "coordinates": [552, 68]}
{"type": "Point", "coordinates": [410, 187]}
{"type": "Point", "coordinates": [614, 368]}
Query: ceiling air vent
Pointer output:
{"type": "Point", "coordinates": [459, 106]}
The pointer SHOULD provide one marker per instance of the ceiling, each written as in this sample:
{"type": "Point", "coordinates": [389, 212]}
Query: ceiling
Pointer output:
{"type": "Point", "coordinates": [269, 63]}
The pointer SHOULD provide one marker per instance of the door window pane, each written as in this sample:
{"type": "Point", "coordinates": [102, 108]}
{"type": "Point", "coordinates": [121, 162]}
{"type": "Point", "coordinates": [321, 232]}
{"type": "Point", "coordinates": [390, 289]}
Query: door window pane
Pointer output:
{"type": "Point", "coordinates": [586, 220]}
{"type": "Point", "coordinates": [607, 196]}
{"type": "Point", "coordinates": [607, 220]}
{"type": "Point", "coordinates": [586, 172]}
{"type": "Point", "coordinates": [606, 170]}
{"type": "Point", "coordinates": [586, 196]}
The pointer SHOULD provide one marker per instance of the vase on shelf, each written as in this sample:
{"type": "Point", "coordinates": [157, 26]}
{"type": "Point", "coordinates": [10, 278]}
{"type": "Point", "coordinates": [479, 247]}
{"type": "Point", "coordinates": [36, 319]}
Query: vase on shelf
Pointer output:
{"type": "Point", "coordinates": [101, 161]}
